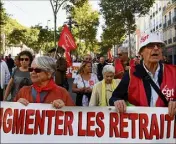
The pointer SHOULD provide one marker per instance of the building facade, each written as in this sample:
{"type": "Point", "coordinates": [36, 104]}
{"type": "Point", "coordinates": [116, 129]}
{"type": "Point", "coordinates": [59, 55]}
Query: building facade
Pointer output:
{"type": "Point", "coordinates": [169, 29]}
{"type": "Point", "coordinates": [161, 19]}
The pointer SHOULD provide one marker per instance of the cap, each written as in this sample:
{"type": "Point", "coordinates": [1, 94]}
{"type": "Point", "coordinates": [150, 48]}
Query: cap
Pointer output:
{"type": "Point", "coordinates": [150, 38]}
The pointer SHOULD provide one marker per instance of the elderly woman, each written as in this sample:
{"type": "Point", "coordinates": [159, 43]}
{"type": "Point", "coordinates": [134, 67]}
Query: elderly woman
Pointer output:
{"type": "Point", "coordinates": [83, 84]}
{"type": "Point", "coordinates": [136, 86]}
{"type": "Point", "coordinates": [44, 89]}
{"type": "Point", "coordinates": [19, 73]}
{"type": "Point", "coordinates": [102, 91]}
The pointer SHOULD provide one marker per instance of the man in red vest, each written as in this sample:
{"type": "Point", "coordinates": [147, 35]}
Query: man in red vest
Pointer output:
{"type": "Point", "coordinates": [122, 62]}
{"type": "Point", "coordinates": [135, 87]}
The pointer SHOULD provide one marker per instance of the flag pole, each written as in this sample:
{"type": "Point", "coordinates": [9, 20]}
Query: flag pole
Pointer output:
{"type": "Point", "coordinates": [55, 52]}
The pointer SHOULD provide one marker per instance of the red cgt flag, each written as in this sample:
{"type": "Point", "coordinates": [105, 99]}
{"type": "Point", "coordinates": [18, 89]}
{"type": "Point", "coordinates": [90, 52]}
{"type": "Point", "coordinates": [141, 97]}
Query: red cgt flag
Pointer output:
{"type": "Point", "coordinates": [66, 40]}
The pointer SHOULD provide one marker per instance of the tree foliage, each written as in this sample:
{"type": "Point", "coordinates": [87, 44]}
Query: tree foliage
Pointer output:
{"type": "Point", "coordinates": [3, 15]}
{"type": "Point", "coordinates": [87, 21]}
{"type": "Point", "coordinates": [120, 15]}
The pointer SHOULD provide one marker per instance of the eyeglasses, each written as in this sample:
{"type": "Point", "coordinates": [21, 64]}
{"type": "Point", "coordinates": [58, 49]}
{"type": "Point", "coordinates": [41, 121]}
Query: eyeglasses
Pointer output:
{"type": "Point", "coordinates": [119, 54]}
{"type": "Point", "coordinates": [137, 56]}
{"type": "Point", "coordinates": [152, 45]}
{"type": "Point", "coordinates": [24, 59]}
{"type": "Point", "coordinates": [36, 70]}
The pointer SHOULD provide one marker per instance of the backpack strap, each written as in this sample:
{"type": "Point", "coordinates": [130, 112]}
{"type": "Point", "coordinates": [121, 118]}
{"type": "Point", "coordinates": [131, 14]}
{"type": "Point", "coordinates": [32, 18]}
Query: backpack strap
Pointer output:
{"type": "Point", "coordinates": [146, 77]}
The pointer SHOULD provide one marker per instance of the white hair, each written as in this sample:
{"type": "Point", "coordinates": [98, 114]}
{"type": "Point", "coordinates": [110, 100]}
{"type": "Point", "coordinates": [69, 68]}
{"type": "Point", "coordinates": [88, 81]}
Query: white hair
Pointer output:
{"type": "Point", "coordinates": [123, 49]}
{"type": "Point", "coordinates": [108, 68]}
{"type": "Point", "coordinates": [45, 62]}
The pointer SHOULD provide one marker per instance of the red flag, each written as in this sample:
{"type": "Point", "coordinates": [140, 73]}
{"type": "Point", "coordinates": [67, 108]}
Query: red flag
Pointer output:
{"type": "Point", "coordinates": [68, 58]}
{"type": "Point", "coordinates": [66, 40]}
{"type": "Point", "coordinates": [69, 64]}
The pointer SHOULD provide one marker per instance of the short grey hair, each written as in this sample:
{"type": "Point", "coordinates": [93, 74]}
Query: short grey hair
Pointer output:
{"type": "Point", "coordinates": [46, 63]}
{"type": "Point", "coordinates": [108, 68]}
{"type": "Point", "coordinates": [123, 49]}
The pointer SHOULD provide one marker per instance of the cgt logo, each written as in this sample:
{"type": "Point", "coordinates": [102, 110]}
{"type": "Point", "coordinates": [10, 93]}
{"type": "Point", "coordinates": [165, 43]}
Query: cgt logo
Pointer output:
{"type": "Point", "coordinates": [168, 92]}
{"type": "Point", "coordinates": [144, 38]}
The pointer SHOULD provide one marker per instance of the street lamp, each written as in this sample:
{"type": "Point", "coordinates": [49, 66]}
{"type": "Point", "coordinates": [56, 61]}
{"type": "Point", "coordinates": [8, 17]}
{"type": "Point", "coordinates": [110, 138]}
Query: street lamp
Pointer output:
{"type": "Point", "coordinates": [56, 5]}
{"type": "Point", "coordinates": [48, 23]}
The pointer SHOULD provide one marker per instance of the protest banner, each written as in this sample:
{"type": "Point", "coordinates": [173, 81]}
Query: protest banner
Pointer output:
{"type": "Point", "coordinates": [42, 123]}
{"type": "Point", "coordinates": [72, 70]}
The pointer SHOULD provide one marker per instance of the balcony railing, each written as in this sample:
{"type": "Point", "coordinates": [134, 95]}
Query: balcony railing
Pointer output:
{"type": "Point", "coordinates": [169, 41]}
{"type": "Point", "coordinates": [174, 19]}
{"type": "Point", "coordinates": [169, 22]}
{"type": "Point", "coordinates": [164, 25]}
{"type": "Point", "coordinates": [174, 39]}
{"type": "Point", "coordinates": [165, 41]}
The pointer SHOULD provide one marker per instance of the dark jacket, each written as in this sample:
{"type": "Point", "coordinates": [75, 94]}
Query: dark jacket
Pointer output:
{"type": "Point", "coordinates": [60, 76]}
{"type": "Point", "coordinates": [121, 92]}
{"type": "Point", "coordinates": [99, 70]}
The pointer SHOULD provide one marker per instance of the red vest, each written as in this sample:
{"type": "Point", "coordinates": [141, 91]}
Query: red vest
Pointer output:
{"type": "Point", "coordinates": [119, 67]}
{"type": "Point", "coordinates": [136, 90]}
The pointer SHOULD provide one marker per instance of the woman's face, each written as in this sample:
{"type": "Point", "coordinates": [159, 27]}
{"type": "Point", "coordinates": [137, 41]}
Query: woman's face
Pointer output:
{"type": "Point", "coordinates": [24, 61]}
{"type": "Point", "coordinates": [88, 68]}
{"type": "Point", "coordinates": [38, 75]}
{"type": "Point", "coordinates": [108, 77]}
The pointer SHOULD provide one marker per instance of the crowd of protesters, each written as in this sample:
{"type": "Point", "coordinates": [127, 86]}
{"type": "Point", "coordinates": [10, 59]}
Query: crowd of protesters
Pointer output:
{"type": "Point", "coordinates": [141, 81]}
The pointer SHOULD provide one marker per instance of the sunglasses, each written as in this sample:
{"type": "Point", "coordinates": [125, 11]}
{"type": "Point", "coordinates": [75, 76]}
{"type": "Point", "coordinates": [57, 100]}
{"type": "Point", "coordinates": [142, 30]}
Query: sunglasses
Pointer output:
{"type": "Point", "coordinates": [36, 70]}
{"type": "Point", "coordinates": [24, 59]}
{"type": "Point", "coordinates": [88, 59]}
{"type": "Point", "coordinates": [119, 54]}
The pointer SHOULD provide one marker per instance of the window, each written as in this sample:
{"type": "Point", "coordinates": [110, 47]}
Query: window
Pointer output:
{"type": "Point", "coordinates": [165, 19]}
{"type": "Point", "coordinates": [154, 23]}
{"type": "Point", "coordinates": [169, 15]}
{"type": "Point", "coordinates": [170, 33]}
{"type": "Point", "coordinates": [174, 11]}
{"type": "Point", "coordinates": [156, 7]}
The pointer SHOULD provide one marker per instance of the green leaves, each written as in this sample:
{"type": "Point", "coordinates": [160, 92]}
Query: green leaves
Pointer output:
{"type": "Point", "coordinates": [120, 17]}
{"type": "Point", "coordinates": [86, 29]}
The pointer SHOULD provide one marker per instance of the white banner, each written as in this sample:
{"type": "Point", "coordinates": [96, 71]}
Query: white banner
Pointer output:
{"type": "Point", "coordinates": [41, 123]}
{"type": "Point", "coordinates": [72, 71]}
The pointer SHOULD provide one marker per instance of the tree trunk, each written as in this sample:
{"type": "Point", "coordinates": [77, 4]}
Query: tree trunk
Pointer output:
{"type": "Point", "coordinates": [55, 21]}
{"type": "Point", "coordinates": [129, 49]}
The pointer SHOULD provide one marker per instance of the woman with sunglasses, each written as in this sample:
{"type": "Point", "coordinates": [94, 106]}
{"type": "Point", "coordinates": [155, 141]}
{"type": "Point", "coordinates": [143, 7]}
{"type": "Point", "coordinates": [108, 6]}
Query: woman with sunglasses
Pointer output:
{"type": "Point", "coordinates": [19, 73]}
{"type": "Point", "coordinates": [44, 89]}
{"type": "Point", "coordinates": [83, 84]}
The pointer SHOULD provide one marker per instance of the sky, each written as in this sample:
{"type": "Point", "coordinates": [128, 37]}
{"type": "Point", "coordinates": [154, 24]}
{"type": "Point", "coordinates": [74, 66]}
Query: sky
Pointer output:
{"type": "Point", "coordinates": [33, 12]}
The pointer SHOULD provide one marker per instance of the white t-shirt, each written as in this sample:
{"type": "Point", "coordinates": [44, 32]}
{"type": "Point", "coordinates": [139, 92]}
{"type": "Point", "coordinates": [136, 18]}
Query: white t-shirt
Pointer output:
{"type": "Point", "coordinates": [90, 83]}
